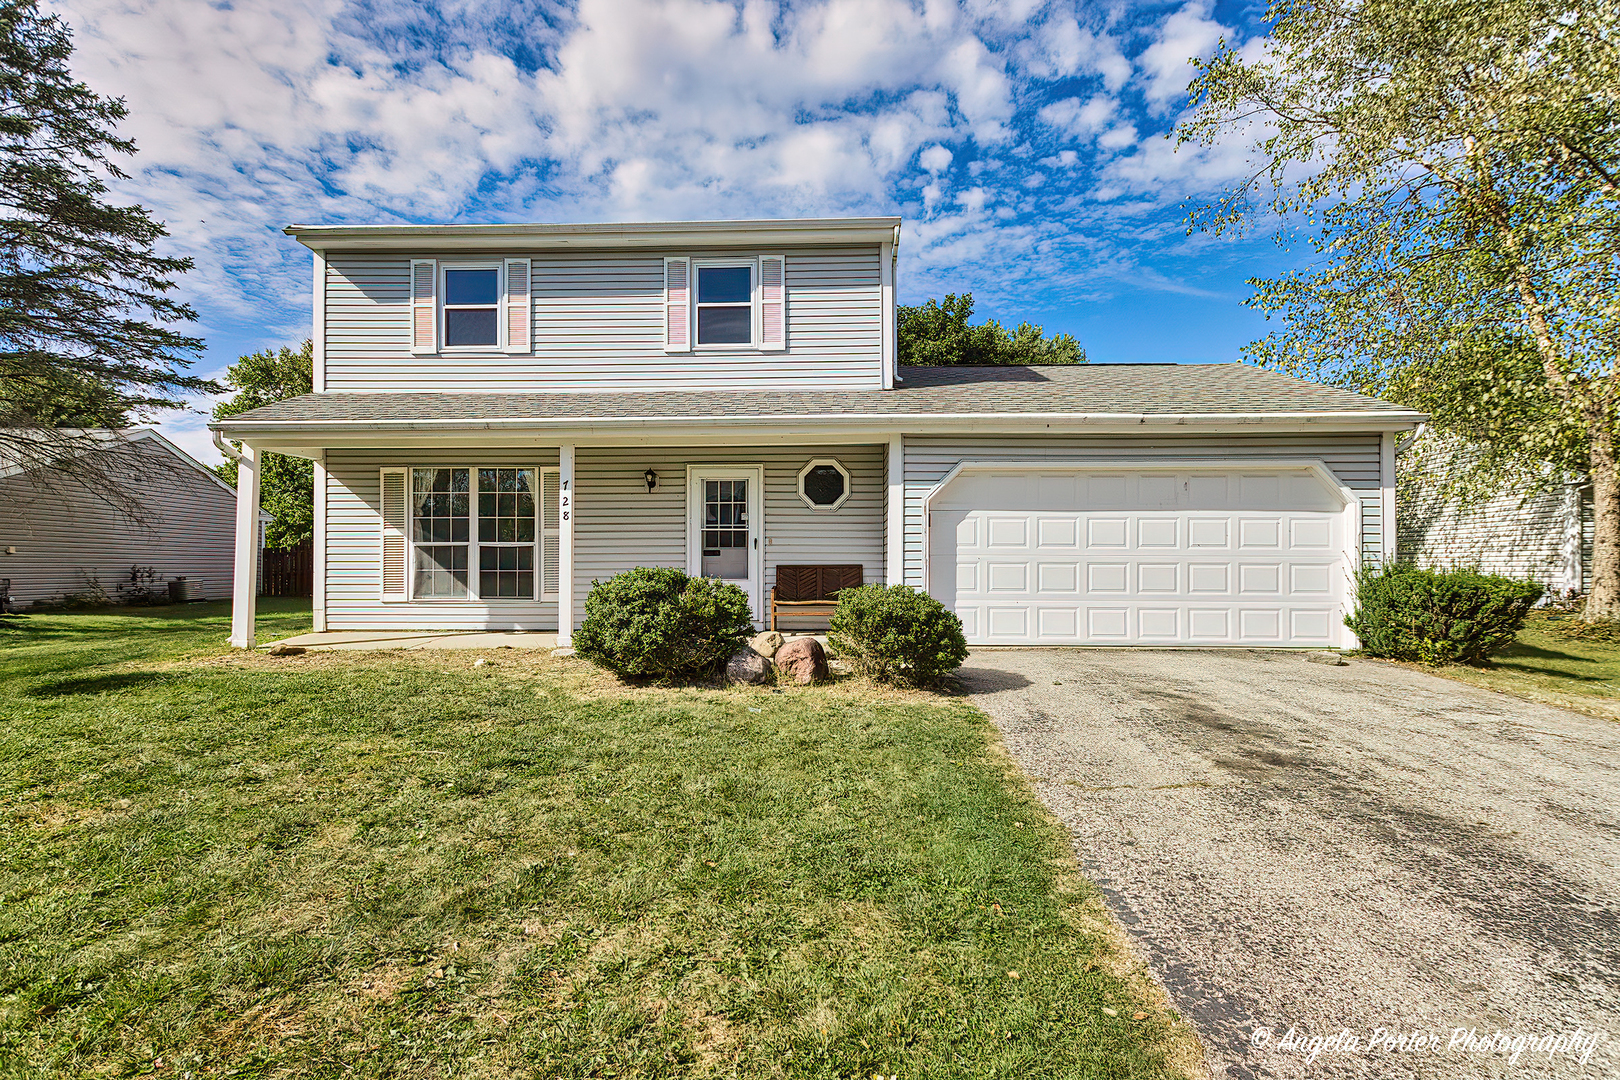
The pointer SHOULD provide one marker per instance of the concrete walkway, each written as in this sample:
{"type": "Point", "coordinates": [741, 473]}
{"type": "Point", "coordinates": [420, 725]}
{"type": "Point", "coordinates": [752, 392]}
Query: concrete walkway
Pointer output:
{"type": "Point", "coordinates": [356, 640]}
{"type": "Point", "coordinates": [1316, 850]}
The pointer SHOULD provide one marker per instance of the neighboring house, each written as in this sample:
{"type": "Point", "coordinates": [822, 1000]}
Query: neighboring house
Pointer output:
{"type": "Point", "coordinates": [62, 535]}
{"type": "Point", "coordinates": [506, 413]}
{"type": "Point", "coordinates": [1542, 533]}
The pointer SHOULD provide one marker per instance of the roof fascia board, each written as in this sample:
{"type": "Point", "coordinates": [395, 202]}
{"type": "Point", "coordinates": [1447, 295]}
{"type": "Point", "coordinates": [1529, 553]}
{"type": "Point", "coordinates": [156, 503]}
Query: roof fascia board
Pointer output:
{"type": "Point", "coordinates": [631, 235]}
{"type": "Point", "coordinates": [911, 423]}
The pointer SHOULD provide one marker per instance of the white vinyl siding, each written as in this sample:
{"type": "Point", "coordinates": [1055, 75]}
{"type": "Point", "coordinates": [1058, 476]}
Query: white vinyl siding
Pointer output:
{"type": "Point", "coordinates": [598, 322]}
{"type": "Point", "coordinates": [354, 531]}
{"type": "Point", "coordinates": [619, 525]}
{"type": "Point", "coordinates": [1353, 459]}
{"type": "Point", "coordinates": [65, 536]}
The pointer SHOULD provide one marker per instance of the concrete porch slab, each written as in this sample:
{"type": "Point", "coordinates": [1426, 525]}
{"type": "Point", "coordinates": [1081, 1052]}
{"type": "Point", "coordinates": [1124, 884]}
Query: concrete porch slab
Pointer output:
{"type": "Point", "coordinates": [356, 640]}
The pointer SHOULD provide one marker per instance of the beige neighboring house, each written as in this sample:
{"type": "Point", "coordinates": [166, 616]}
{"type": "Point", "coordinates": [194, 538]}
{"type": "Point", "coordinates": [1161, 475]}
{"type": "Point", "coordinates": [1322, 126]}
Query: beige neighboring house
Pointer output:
{"type": "Point", "coordinates": [60, 536]}
{"type": "Point", "coordinates": [1541, 533]}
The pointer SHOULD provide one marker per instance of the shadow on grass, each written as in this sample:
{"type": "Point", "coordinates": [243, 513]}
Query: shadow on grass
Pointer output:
{"type": "Point", "coordinates": [100, 684]}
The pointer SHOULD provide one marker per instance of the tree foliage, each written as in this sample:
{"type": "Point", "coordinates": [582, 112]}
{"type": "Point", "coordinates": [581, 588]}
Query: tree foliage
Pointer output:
{"type": "Point", "coordinates": [86, 310]}
{"type": "Point", "coordinates": [1456, 166]}
{"type": "Point", "coordinates": [938, 332]}
{"type": "Point", "coordinates": [286, 484]}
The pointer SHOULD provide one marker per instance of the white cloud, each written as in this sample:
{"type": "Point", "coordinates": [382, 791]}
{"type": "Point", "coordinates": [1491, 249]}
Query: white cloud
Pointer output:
{"type": "Point", "coordinates": [1081, 119]}
{"type": "Point", "coordinates": [936, 159]}
{"type": "Point", "coordinates": [1185, 33]}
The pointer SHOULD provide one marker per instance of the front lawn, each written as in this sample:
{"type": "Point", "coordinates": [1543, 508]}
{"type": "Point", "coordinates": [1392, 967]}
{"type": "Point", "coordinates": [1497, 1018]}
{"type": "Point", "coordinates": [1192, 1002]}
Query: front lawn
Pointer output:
{"type": "Point", "coordinates": [404, 865]}
{"type": "Point", "coordinates": [1545, 663]}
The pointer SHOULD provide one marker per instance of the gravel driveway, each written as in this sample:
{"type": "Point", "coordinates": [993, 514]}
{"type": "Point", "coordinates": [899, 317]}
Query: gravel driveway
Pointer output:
{"type": "Point", "coordinates": [1327, 849]}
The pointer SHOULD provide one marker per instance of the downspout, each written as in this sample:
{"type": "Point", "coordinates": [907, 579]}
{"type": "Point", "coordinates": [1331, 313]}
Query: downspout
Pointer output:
{"type": "Point", "coordinates": [224, 447]}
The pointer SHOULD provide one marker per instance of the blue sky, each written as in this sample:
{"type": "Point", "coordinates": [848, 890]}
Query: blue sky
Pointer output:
{"type": "Point", "coordinates": [1023, 141]}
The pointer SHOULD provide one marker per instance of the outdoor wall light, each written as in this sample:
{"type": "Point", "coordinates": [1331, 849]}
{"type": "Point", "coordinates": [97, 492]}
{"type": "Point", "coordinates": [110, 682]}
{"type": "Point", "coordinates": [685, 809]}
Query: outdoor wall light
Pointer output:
{"type": "Point", "coordinates": [652, 480]}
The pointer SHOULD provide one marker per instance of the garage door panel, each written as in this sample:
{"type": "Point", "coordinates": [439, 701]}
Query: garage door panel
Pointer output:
{"type": "Point", "coordinates": [1007, 532]}
{"type": "Point", "coordinates": [1306, 579]}
{"type": "Point", "coordinates": [1108, 532]}
{"type": "Point", "coordinates": [1158, 624]}
{"type": "Point", "coordinates": [1209, 532]}
{"type": "Point", "coordinates": [1209, 578]}
{"type": "Point", "coordinates": [1259, 533]}
{"type": "Point", "coordinates": [1058, 578]}
{"type": "Point", "coordinates": [1108, 577]}
{"type": "Point", "coordinates": [1057, 623]}
{"type": "Point", "coordinates": [1311, 624]}
{"type": "Point", "coordinates": [1260, 624]}
{"type": "Point", "coordinates": [1157, 532]}
{"type": "Point", "coordinates": [1007, 577]}
{"type": "Point", "coordinates": [1057, 532]}
{"type": "Point", "coordinates": [1158, 577]}
{"type": "Point", "coordinates": [1008, 622]}
{"type": "Point", "coordinates": [1108, 623]}
{"type": "Point", "coordinates": [1246, 557]}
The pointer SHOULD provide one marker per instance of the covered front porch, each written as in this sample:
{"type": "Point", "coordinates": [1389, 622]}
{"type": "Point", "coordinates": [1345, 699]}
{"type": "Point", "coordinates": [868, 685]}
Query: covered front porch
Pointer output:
{"type": "Point", "coordinates": [414, 543]}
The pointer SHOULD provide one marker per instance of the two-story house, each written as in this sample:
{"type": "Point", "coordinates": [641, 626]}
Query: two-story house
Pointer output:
{"type": "Point", "coordinates": [504, 414]}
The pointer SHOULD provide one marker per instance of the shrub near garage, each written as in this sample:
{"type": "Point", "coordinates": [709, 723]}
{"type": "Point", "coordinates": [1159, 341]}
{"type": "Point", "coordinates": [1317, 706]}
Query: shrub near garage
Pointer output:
{"type": "Point", "coordinates": [897, 632]}
{"type": "Point", "coordinates": [656, 622]}
{"type": "Point", "coordinates": [1438, 617]}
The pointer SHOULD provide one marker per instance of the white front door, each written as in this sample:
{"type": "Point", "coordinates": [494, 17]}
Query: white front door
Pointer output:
{"type": "Point", "coordinates": [725, 523]}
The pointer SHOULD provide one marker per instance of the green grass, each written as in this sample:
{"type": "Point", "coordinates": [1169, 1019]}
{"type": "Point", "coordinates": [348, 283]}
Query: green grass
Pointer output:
{"type": "Point", "coordinates": [401, 865]}
{"type": "Point", "coordinates": [1550, 663]}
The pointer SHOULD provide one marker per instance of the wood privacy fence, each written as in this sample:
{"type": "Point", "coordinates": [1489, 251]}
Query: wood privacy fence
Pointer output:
{"type": "Point", "coordinates": [290, 572]}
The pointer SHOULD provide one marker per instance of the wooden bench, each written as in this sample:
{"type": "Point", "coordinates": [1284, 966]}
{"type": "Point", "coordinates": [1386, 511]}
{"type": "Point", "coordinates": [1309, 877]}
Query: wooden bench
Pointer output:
{"type": "Point", "coordinates": [811, 589]}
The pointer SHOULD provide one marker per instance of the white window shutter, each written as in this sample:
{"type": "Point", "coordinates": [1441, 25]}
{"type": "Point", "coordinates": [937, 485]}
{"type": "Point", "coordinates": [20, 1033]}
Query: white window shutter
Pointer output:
{"type": "Point", "coordinates": [772, 303]}
{"type": "Point", "coordinates": [678, 305]}
{"type": "Point", "coordinates": [424, 306]}
{"type": "Point", "coordinates": [395, 522]}
{"type": "Point", "coordinates": [550, 534]}
{"type": "Point", "coordinates": [517, 306]}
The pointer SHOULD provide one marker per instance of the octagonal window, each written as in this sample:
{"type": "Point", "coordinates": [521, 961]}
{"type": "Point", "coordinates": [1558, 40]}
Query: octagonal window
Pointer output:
{"type": "Point", "coordinates": [824, 484]}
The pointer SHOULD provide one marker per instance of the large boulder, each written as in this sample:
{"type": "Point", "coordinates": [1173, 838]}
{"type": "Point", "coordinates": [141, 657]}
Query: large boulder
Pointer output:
{"type": "Point", "coordinates": [766, 644]}
{"type": "Point", "coordinates": [803, 660]}
{"type": "Point", "coordinates": [748, 667]}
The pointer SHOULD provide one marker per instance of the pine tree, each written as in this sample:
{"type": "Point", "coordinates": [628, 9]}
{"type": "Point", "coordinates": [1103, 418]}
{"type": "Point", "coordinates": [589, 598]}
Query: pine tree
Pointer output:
{"type": "Point", "coordinates": [85, 300]}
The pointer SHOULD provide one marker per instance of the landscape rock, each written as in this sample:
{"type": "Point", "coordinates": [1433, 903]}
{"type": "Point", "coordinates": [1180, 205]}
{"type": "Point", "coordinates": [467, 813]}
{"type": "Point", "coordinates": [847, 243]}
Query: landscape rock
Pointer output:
{"type": "Point", "coordinates": [1331, 659]}
{"type": "Point", "coordinates": [766, 644]}
{"type": "Point", "coordinates": [748, 667]}
{"type": "Point", "coordinates": [803, 660]}
{"type": "Point", "coordinates": [284, 649]}
{"type": "Point", "coordinates": [562, 653]}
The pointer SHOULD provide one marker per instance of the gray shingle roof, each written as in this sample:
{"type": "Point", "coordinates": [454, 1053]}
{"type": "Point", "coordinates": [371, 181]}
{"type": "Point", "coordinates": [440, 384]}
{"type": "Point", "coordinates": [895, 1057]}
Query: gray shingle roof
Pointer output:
{"type": "Point", "coordinates": [1079, 390]}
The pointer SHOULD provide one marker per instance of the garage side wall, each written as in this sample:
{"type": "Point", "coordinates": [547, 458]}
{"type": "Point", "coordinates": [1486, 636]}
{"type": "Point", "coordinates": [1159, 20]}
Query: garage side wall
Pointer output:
{"type": "Point", "coordinates": [1354, 459]}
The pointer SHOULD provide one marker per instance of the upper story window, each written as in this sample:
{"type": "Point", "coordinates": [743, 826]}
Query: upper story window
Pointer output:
{"type": "Point", "coordinates": [725, 304]}
{"type": "Point", "coordinates": [472, 296]}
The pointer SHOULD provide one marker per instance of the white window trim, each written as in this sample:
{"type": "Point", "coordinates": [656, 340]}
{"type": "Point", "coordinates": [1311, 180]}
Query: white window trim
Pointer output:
{"type": "Point", "coordinates": [497, 265]}
{"type": "Point", "coordinates": [753, 344]}
{"type": "Point", "coordinates": [842, 499]}
{"type": "Point", "coordinates": [473, 596]}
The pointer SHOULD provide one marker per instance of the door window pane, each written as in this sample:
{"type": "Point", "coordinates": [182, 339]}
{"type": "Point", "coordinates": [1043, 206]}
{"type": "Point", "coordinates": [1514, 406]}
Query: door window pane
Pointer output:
{"type": "Point", "coordinates": [725, 529]}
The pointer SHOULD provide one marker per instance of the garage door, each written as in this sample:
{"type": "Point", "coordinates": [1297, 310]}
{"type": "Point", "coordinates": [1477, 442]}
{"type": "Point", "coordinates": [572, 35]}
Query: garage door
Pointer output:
{"type": "Point", "coordinates": [1231, 556]}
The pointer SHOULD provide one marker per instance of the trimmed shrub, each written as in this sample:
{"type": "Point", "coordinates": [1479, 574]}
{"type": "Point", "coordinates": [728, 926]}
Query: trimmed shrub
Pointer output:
{"type": "Point", "coordinates": [1438, 616]}
{"type": "Point", "coordinates": [896, 632]}
{"type": "Point", "coordinates": [658, 623]}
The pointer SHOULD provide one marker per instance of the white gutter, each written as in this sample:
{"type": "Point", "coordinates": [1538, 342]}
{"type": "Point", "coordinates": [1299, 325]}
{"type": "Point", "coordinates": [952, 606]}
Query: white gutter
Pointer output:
{"type": "Point", "coordinates": [1375, 419]}
{"type": "Point", "coordinates": [598, 235]}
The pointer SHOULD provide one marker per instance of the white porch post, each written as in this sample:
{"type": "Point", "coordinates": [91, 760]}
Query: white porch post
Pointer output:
{"type": "Point", "coordinates": [245, 586]}
{"type": "Point", "coordinates": [565, 545]}
{"type": "Point", "coordinates": [894, 525]}
{"type": "Point", "coordinates": [318, 597]}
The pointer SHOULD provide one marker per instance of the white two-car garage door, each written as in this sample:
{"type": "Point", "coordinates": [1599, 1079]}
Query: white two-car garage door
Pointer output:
{"type": "Point", "coordinates": [1054, 555]}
